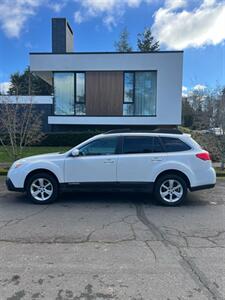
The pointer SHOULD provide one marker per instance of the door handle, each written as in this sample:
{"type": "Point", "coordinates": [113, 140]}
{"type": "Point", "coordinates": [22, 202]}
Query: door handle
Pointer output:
{"type": "Point", "coordinates": [109, 161]}
{"type": "Point", "coordinates": [156, 159]}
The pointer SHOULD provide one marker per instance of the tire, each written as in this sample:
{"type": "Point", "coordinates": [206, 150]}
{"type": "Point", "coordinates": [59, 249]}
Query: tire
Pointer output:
{"type": "Point", "coordinates": [170, 190]}
{"type": "Point", "coordinates": [42, 188]}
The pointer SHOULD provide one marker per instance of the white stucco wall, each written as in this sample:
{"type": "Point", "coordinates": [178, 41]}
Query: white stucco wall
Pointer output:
{"type": "Point", "coordinates": [168, 65]}
{"type": "Point", "coordinates": [27, 99]}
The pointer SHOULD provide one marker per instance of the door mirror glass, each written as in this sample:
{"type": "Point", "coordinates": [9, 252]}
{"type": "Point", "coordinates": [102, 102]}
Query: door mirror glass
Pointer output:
{"type": "Point", "coordinates": [75, 152]}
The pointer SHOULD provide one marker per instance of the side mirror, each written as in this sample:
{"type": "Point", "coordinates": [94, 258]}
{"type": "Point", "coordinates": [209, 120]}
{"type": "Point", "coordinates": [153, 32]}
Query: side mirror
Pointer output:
{"type": "Point", "coordinates": [75, 152]}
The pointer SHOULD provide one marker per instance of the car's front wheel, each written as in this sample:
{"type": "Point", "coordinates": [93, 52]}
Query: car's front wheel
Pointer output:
{"type": "Point", "coordinates": [42, 188]}
{"type": "Point", "coordinates": [170, 189]}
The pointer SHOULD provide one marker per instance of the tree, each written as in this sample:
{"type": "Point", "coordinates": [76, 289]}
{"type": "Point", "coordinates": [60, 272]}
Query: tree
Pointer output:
{"type": "Point", "coordinates": [187, 113]}
{"type": "Point", "coordinates": [28, 84]}
{"type": "Point", "coordinates": [221, 124]}
{"type": "Point", "coordinates": [146, 42]}
{"type": "Point", "coordinates": [209, 113]}
{"type": "Point", "coordinates": [20, 126]}
{"type": "Point", "coordinates": [123, 44]}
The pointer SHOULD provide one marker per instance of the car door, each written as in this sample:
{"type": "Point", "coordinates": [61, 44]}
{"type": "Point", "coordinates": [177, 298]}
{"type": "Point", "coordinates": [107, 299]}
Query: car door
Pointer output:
{"type": "Point", "coordinates": [141, 155]}
{"type": "Point", "coordinates": [97, 162]}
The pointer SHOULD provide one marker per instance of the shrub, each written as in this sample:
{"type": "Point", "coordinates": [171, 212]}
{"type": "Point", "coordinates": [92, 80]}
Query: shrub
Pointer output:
{"type": "Point", "coordinates": [209, 142]}
{"type": "Point", "coordinates": [66, 138]}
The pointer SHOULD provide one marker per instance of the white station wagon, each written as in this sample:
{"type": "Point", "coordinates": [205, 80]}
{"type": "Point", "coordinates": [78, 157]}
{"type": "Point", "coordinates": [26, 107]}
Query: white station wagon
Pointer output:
{"type": "Point", "coordinates": [167, 164]}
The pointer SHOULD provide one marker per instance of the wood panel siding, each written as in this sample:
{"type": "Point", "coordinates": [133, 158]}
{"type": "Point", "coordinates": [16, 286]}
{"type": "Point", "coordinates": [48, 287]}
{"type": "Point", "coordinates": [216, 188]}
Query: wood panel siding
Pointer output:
{"type": "Point", "coordinates": [104, 93]}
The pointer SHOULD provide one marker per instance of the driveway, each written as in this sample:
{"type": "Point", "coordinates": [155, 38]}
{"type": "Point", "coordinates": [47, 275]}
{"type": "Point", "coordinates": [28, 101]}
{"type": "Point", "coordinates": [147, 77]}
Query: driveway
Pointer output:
{"type": "Point", "coordinates": [112, 246]}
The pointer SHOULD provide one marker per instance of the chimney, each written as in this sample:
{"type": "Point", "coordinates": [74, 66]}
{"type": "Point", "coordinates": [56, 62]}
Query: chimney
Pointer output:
{"type": "Point", "coordinates": [62, 36]}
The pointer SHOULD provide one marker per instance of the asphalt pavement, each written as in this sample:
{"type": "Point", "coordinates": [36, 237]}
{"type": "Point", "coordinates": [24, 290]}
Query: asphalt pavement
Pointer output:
{"type": "Point", "coordinates": [122, 246]}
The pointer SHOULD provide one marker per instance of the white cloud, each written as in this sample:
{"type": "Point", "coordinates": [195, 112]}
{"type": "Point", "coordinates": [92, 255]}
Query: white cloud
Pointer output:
{"type": "Point", "coordinates": [199, 87]}
{"type": "Point", "coordinates": [4, 87]}
{"type": "Point", "coordinates": [15, 13]}
{"type": "Point", "coordinates": [109, 21]}
{"type": "Point", "coordinates": [78, 18]}
{"type": "Point", "coordinates": [57, 7]}
{"type": "Point", "coordinates": [184, 91]}
{"type": "Point", "coordinates": [172, 4]}
{"type": "Point", "coordinates": [110, 10]}
{"type": "Point", "coordinates": [178, 27]}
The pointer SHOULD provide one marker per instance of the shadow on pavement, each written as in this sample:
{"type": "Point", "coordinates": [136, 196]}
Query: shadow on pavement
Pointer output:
{"type": "Point", "coordinates": [111, 198]}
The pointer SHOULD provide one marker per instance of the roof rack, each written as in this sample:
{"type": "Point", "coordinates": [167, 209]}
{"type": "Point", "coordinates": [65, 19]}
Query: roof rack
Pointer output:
{"type": "Point", "coordinates": [157, 130]}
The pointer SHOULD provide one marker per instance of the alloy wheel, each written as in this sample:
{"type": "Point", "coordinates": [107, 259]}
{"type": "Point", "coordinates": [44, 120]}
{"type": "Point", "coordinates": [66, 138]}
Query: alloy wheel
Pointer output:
{"type": "Point", "coordinates": [171, 190]}
{"type": "Point", "coordinates": [41, 189]}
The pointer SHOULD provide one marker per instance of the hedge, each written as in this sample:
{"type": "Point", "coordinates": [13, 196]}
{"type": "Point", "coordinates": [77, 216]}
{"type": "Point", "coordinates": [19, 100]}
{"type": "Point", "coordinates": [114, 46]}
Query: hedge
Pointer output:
{"type": "Point", "coordinates": [66, 138]}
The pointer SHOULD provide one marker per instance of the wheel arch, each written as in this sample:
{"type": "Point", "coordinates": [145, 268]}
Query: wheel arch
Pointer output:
{"type": "Point", "coordinates": [36, 171]}
{"type": "Point", "coordinates": [175, 172]}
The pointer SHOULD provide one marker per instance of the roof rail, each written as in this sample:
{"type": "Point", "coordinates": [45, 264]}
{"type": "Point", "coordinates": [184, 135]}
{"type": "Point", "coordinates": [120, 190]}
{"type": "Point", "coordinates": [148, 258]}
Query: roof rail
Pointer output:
{"type": "Point", "coordinates": [168, 130]}
{"type": "Point", "coordinates": [157, 130]}
{"type": "Point", "coordinates": [118, 131]}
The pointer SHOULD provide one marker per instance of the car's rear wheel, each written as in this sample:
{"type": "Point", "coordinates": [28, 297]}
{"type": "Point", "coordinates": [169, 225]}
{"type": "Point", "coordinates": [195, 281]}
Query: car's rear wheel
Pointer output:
{"type": "Point", "coordinates": [42, 188]}
{"type": "Point", "coordinates": [170, 189]}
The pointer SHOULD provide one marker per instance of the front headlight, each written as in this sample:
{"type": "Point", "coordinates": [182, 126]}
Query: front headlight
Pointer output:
{"type": "Point", "coordinates": [17, 165]}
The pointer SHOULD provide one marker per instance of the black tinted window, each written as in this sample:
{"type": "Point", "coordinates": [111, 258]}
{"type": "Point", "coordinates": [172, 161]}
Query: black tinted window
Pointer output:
{"type": "Point", "coordinates": [174, 144]}
{"type": "Point", "coordinates": [104, 146]}
{"type": "Point", "coordinates": [141, 144]}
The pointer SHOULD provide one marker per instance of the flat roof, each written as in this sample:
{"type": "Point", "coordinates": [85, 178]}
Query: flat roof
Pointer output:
{"type": "Point", "coordinates": [112, 52]}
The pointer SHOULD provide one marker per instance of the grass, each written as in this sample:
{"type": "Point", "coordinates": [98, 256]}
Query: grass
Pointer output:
{"type": "Point", "coordinates": [4, 158]}
{"type": "Point", "coordinates": [219, 172]}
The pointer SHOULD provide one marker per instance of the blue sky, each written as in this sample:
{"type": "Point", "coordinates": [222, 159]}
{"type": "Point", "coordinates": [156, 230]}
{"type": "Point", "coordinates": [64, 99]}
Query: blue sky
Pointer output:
{"type": "Point", "coordinates": [197, 27]}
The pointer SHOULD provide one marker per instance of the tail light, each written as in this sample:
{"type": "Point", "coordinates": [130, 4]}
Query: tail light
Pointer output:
{"type": "Point", "coordinates": [203, 156]}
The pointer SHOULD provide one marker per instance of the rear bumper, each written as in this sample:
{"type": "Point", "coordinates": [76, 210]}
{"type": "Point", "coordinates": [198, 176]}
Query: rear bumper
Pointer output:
{"type": "Point", "coordinates": [11, 187]}
{"type": "Point", "coordinates": [202, 187]}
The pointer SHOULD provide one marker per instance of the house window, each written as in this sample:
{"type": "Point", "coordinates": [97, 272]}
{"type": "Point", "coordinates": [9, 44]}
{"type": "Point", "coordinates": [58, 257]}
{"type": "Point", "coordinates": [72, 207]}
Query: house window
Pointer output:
{"type": "Point", "coordinates": [140, 93]}
{"type": "Point", "coordinates": [64, 93]}
{"type": "Point", "coordinates": [69, 93]}
{"type": "Point", "coordinates": [80, 94]}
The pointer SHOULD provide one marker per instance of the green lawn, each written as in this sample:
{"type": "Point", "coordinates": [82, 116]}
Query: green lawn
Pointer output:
{"type": "Point", "coordinates": [31, 151]}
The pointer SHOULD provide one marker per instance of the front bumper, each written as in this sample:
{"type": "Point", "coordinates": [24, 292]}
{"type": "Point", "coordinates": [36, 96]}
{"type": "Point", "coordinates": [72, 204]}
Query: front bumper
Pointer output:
{"type": "Point", "coordinates": [11, 187]}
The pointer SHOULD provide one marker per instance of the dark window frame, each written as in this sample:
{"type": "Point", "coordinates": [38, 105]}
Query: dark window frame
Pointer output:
{"type": "Point", "coordinates": [134, 87]}
{"type": "Point", "coordinates": [75, 93]}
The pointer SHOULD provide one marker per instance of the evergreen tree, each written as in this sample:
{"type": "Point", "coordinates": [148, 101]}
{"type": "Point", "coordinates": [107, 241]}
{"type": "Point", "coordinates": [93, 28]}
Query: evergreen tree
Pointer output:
{"type": "Point", "coordinates": [146, 41]}
{"type": "Point", "coordinates": [123, 44]}
{"type": "Point", "coordinates": [28, 84]}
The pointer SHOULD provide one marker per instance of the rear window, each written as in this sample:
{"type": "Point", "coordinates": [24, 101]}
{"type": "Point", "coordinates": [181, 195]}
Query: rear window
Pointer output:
{"type": "Point", "coordinates": [141, 144]}
{"type": "Point", "coordinates": [174, 144]}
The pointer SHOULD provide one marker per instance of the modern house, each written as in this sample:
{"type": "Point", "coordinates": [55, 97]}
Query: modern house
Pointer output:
{"type": "Point", "coordinates": [108, 89]}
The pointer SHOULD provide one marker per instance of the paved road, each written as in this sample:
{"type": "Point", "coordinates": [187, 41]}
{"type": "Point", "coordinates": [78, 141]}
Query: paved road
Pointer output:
{"type": "Point", "coordinates": [112, 246]}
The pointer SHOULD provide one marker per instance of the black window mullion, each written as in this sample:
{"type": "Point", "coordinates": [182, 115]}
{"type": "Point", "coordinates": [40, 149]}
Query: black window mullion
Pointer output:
{"type": "Point", "coordinates": [134, 87]}
{"type": "Point", "coordinates": [75, 93]}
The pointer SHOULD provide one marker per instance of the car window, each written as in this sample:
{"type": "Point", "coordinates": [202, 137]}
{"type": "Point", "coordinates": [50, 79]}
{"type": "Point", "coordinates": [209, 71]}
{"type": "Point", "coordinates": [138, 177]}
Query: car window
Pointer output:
{"type": "Point", "coordinates": [104, 146]}
{"type": "Point", "coordinates": [174, 144]}
{"type": "Point", "coordinates": [141, 144]}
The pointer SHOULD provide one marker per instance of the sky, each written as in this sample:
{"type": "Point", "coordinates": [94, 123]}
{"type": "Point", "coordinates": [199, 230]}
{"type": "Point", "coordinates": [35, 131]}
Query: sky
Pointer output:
{"type": "Point", "coordinates": [195, 26]}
